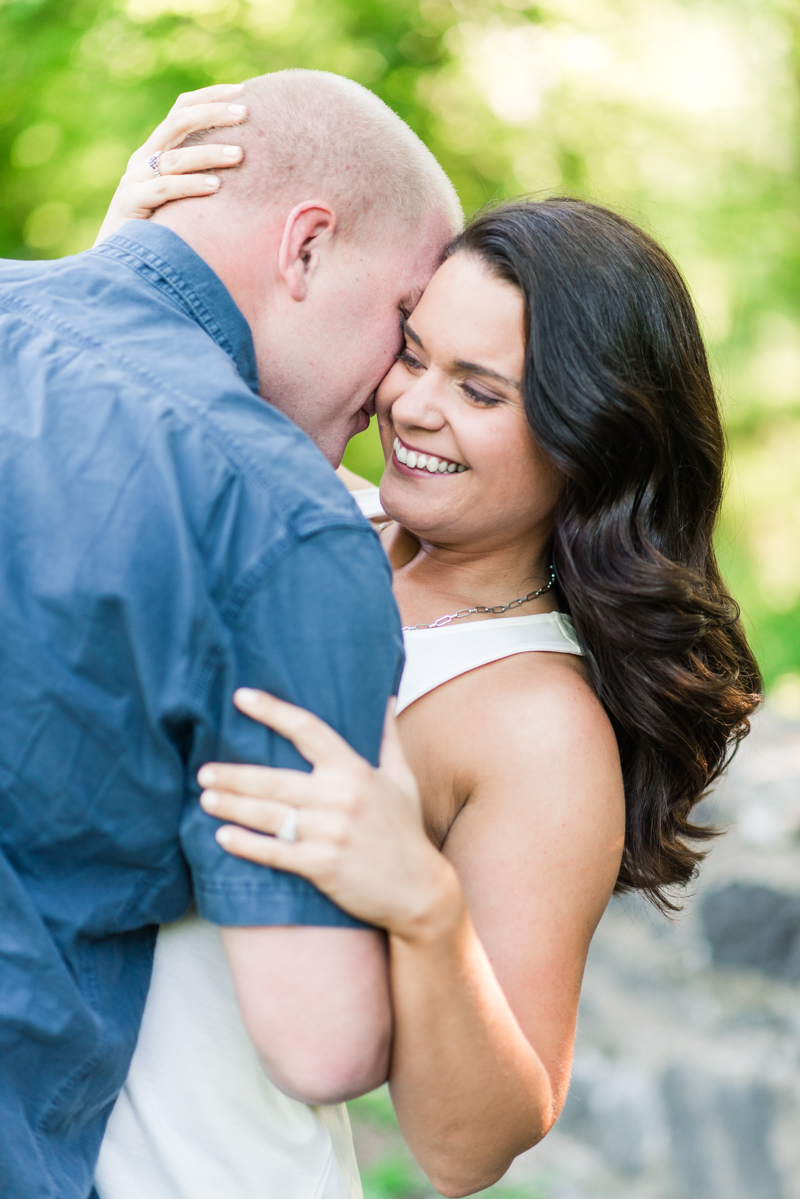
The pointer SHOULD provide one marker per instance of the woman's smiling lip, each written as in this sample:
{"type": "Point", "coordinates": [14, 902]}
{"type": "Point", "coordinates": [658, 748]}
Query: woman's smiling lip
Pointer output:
{"type": "Point", "coordinates": [417, 462]}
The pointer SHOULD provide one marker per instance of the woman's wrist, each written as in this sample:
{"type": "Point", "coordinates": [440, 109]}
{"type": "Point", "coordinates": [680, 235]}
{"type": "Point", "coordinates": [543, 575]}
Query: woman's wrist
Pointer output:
{"type": "Point", "coordinates": [440, 914]}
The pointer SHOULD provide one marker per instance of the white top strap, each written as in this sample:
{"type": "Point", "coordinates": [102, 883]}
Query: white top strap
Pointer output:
{"type": "Point", "coordinates": [369, 501]}
{"type": "Point", "coordinates": [434, 656]}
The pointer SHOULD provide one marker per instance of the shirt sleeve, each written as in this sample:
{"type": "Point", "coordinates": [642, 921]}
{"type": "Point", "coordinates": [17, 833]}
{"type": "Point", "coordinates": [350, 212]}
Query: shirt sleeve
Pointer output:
{"type": "Point", "coordinates": [320, 630]}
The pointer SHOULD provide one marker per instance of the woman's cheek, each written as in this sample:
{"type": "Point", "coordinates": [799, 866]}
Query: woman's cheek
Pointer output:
{"type": "Point", "coordinates": [390, 389]}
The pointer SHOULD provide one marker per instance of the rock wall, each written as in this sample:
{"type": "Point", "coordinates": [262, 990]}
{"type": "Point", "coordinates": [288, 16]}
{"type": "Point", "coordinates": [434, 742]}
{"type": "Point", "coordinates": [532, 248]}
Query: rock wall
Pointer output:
{"type": "Point", "coordinates": [686, 1082]}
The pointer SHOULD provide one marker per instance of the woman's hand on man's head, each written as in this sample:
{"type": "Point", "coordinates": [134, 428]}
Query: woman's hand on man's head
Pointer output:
{"type": "Point", "coordinates": [359, 831]}
{"type": "Point", "coordinates": [181, 172]}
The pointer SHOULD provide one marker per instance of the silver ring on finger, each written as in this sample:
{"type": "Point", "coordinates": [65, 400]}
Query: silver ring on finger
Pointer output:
{"type": "Point", "coordinates": [288, 830]}
{"type": "Point", "coordinates": [153, 162]}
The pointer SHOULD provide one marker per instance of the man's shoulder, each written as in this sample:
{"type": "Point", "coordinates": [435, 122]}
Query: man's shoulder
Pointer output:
{"type": "Point", "coordinates": [29, 283]}
{"type": "Point", "coordinates": [133, 374]}
{"type": "Point", "coordinates": [14, 270]}
{"type": "Point", "coordinates": [277, 459]}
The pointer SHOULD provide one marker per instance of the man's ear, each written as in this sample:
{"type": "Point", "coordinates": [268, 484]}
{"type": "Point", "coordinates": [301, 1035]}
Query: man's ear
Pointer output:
{"type": "Point", "coordinates": [309, 226]}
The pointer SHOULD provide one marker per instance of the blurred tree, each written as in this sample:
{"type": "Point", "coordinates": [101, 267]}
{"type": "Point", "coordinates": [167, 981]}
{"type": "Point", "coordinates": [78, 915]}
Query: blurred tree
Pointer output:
{"type": "Point", "coordinates": [84, 82]}
{"type": "Point", "coordinates": [681, 113]}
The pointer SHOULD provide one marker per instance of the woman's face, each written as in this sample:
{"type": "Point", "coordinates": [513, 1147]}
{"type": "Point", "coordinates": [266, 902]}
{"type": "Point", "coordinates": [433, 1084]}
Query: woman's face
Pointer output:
{"type": "Point", "coordinates": [463, 468]}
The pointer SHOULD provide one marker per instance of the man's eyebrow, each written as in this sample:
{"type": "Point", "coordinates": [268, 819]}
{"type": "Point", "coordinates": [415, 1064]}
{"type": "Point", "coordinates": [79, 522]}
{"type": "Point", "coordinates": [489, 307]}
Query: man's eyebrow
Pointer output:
{"type": "Point", "coordinates": [475, 369]}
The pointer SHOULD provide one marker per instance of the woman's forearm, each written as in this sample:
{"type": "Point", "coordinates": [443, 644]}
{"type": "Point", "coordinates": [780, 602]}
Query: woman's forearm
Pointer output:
{"type": "Point", "coordinates": [469, 1090]}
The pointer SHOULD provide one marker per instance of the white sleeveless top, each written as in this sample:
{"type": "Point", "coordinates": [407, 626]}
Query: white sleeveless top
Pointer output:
{"type": "Point", "coordinates": [434, 656]}
{"type": "Point", "coordinates": [369, 501]}
{"type": "Point", "coordinates": [198, 1118]}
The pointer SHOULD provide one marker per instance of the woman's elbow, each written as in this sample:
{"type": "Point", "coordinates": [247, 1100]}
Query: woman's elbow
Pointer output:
{"type": "Point", "coordinates": [456, 1183]}
{"type": "Point", "coordinates": [453, 1175]}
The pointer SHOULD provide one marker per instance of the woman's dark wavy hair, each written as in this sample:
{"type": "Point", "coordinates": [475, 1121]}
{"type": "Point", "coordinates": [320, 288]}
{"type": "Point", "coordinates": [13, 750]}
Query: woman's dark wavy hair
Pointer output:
{"type": "Point", "coordinates": [618, 392]}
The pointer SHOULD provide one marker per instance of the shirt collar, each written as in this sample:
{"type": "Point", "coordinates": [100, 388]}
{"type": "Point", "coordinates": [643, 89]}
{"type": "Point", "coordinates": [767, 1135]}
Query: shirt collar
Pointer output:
{"type": "Point", "coordinates": [165, 261]}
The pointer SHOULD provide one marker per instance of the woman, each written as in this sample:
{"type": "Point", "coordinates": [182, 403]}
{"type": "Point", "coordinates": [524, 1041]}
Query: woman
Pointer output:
{"type": "Point", "coordinates": [554, 451]}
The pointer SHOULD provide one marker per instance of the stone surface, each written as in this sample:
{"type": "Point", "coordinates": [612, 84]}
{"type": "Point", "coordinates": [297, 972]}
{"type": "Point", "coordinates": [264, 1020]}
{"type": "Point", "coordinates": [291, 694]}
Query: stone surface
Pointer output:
{"type": "Point", "coordinates": [686, 1082]}
{"type": "Point", "coordinates": [748, 925]}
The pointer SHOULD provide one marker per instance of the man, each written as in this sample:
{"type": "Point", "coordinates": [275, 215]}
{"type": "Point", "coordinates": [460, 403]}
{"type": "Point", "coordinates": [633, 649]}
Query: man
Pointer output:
{"type": "Point", "coordinates": [167, 537]}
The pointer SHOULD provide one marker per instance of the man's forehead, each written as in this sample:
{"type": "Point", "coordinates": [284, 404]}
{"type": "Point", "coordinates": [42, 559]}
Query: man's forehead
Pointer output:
{"type": "Point", "coordinates": [413, 276]}
{"type": "Point", "coordinates": [409, 297]}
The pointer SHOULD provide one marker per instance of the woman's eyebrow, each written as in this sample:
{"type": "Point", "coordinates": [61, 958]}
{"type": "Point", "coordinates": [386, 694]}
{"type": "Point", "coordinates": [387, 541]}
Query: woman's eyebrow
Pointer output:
{"type": "Point", "coordinates": [472, 367]}
{"type": "Point", "coordinates": [409, 332]}
{"type": "Point", "coordinates": [475, 369]}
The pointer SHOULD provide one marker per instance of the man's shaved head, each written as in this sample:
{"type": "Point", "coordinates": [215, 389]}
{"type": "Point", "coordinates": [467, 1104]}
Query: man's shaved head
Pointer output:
{"type": "Point", "coordinates": [311, 134]}
{"type": "Point", "coordinates": [325, 235]}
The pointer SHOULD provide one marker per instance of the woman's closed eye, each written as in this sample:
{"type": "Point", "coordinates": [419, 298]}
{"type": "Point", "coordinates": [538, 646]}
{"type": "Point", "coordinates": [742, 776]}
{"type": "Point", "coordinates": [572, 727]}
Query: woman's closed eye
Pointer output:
{"type": "Point", "coordinates": [476, 394]}
{"type": "Point", "coordinates": [480, 397]}
{"type": "Point", "coordinates": [408, 359]}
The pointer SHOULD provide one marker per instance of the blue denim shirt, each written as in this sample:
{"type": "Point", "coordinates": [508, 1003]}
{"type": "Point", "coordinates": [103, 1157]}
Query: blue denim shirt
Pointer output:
{"type": "Point", "coordinates": [165, 536]}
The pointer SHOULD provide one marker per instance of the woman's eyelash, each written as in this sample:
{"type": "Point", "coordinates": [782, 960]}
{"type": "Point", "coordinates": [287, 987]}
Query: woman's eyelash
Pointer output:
{"type": "Point", "coordinates": [408, 359]}
{"type": "Point", "coordinates": [480, 396]}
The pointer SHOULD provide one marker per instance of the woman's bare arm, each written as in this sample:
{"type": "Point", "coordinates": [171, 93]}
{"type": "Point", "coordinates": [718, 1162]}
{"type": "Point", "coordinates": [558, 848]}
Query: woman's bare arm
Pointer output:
{"type": "Point", "coordinates": [487, 957]}
{"type": "Point", "coordinates": [485, 1003]}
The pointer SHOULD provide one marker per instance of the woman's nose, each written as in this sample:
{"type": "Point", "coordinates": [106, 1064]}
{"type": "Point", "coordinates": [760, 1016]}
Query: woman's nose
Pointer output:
{"type": "Point", "coordinates": [420, 406]}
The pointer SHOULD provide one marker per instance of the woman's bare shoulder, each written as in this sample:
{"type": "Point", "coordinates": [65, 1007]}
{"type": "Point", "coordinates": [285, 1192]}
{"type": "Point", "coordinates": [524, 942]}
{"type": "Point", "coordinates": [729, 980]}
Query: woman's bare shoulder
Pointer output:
{"type": "Point", "coordinates": [489, 732]}
{"type": "Point", "coordinates": [538, 755]}
{"type": "Point", "coordinates": [540, 700]}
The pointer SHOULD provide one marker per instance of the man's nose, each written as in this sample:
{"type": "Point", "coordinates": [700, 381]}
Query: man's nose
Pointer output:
{"type": "Point", "coordinates": [369, 407]}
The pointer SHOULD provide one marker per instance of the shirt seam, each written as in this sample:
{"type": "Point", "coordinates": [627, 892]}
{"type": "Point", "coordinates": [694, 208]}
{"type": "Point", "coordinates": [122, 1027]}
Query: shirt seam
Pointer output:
{"type": "Point", "coordinates": [245, 888]}
{"type": "Point", "coordinates": [67, 1087]}
{"type": "Point", "coordinates": [271, 558]}
{"type": "Point", "coordinates": [308, 899]}
{"type": "Point", "coordinates": [226, 445]}
{"type": "Point", "coordinates": [177, 289]}
{"type": "Point", "coordinates": [241, 590]}
{"type": "Point", "coordinates": [231, 611]}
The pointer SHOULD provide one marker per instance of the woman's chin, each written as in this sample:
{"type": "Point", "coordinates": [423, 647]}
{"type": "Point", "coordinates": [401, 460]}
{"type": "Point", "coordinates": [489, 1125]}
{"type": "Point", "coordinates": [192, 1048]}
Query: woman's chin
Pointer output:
{"type": "Point", "coordinates": [420, 515]}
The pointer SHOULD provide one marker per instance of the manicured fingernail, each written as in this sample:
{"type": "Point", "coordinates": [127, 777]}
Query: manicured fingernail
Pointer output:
{"type": "Point", "coordinates": [237, 109]}
{"type": "Point", "coordinates": [212, 182]}
{"type": "Point", "coordinates": [245, 695]}
{"type": "Point", "coordinates": [206, 776]}
{"type": "Point", "coordinates": [224, 836]}
{"type": "Point", "coordinates": [209, 800]}
{"type": "Point", "coordinates": [231, 151]}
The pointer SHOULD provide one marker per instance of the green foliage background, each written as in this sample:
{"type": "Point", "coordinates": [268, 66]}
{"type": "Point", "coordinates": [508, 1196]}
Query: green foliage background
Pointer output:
{"type": "Point", "coordinates": [683, 113]}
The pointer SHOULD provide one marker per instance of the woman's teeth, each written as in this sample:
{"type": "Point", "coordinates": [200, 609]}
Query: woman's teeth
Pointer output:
{"type": "Point", "coordinates": [427, 462]}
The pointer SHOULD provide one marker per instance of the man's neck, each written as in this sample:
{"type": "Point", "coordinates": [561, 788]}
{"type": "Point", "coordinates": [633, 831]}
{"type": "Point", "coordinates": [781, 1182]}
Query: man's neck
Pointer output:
{"type": "Point", "coordinates": [229, 247]}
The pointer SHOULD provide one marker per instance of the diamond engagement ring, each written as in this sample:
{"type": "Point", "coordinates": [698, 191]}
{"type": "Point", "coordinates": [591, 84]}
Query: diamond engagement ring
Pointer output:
{"type": "Point", "coordinates": [153, 162]}
{"type": "Point", "coordinates": [288, 830]}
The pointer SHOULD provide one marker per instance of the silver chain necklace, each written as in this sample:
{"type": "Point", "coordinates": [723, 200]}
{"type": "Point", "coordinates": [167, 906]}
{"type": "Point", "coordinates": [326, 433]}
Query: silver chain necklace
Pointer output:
{"type": "Point", "coordinates": [496, 610]}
